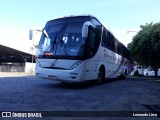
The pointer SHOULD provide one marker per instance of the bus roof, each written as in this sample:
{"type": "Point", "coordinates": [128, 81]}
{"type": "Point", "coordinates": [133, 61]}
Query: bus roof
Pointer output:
{"type": "Point", "coordinates": [88, 15]}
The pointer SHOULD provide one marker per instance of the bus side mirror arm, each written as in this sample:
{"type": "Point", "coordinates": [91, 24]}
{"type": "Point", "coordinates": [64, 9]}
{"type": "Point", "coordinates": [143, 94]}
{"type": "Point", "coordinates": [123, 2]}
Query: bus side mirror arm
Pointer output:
{"type": "Point", "coordinates": [30, 34]}
{"type": "Point", "coordinates": [85, 29]}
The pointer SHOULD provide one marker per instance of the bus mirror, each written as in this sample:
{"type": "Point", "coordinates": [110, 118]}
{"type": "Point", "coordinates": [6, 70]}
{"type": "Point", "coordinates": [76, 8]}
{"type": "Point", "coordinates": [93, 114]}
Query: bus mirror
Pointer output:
{"type": "Point", "coordinates": [85, 31]}
{"type": "Point", "coordinates": [30, 34]}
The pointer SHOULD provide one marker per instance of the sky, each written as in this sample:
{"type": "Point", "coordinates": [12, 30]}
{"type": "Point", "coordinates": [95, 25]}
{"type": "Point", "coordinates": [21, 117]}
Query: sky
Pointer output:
{"type": "Point", "coordinates": [119, 16]}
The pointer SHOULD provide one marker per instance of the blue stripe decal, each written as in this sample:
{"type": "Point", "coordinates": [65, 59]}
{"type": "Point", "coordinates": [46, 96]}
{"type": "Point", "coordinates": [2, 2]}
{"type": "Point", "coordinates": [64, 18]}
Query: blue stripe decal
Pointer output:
{"type": "Point", "coordinates": [119, 67]}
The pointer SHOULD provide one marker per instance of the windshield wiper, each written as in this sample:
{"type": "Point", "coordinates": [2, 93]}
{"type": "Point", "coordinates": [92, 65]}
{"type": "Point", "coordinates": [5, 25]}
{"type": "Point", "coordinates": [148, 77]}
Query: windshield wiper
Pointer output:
{"type": "Point", "coordinates": [54, 42]}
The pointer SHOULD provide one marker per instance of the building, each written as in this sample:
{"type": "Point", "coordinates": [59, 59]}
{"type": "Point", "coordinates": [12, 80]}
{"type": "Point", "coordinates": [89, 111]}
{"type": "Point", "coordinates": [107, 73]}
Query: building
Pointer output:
{"type": "Point", "coordinates": [12, 60]}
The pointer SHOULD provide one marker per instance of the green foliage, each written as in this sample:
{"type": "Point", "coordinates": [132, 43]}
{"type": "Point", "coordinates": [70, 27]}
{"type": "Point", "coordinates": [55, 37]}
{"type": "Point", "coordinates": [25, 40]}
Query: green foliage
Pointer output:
{"type": "Point", "coordinates": [145, 46]}
{"type": "Point", "coordinates": [136, 73]}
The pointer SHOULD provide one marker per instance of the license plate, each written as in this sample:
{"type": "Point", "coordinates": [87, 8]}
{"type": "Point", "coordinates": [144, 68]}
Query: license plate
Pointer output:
{"type": "Point", "coordinates": [52, 77]}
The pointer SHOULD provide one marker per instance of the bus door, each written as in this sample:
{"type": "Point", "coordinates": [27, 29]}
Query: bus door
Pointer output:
{"type": "Point", "coordinates": [92, 62]}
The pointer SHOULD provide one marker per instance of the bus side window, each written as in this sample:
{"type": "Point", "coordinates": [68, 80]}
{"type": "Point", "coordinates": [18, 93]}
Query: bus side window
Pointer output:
{"type": "Point", "coordinates": [116, 46]}
{"type": "Point", "coordinates": [119, 49]}
{"type": "Point", "coordinates": [108, 34]}
{"type": "Point", "coordinates": [107, 39]}
{"type": "Point", "coordinates": [112, 42]}
{"type": "Point", "coordinates": [92, 46]}
{"type": "Point", "coordinates": [104, 38]}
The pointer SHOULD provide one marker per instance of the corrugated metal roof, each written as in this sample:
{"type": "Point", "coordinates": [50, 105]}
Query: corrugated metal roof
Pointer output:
{"type": "Point", "coordinates": [8, 54]}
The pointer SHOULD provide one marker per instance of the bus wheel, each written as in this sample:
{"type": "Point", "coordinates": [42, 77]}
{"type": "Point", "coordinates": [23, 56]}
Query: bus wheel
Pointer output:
{"type": "Point", "coordinates": [101, 76]}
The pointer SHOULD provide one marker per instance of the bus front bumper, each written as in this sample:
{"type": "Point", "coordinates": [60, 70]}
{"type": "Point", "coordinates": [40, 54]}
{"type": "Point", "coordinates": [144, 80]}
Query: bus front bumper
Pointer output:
{"type": "Point", "coordinates": [69, 76]}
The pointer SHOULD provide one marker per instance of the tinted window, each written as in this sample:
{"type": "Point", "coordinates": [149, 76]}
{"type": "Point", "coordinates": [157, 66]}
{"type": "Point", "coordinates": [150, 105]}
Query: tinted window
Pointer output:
{"type": "Point", "coordinates": [65, 38]}
{"type": "Point", "coordinates": [116, 46]}
{"type": "Point", "coordinates": [119, 49]}
{"type": "Point", "coordinates": [106, 38]}
{"type": "Point", "coordinates": [112, 42]}
{"type": "Point", "coordinates": [98, 27]}
{"type": "Point", "coordinates": [125, 52]}
{"type": "Point", "coordinates": [95, 22]}
{"type": "Point", "coordinates": [93, 43]}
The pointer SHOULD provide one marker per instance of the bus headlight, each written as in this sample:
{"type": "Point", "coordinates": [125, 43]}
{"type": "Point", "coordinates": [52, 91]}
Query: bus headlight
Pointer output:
{"type": "Point", "coordinates": [75, 65]}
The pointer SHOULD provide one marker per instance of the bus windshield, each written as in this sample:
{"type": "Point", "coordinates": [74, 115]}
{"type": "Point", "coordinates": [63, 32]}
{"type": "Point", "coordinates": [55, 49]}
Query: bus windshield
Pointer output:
{"type": "Point", "coordinates": [64, 38]}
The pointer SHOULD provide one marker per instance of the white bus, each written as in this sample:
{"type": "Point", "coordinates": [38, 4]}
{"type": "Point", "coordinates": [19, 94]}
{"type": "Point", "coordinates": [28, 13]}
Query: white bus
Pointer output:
{"type": "Point", "coordinates": [80, 48]}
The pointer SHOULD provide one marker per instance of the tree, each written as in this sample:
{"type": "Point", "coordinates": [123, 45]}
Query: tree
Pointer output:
{"type": "Point", "coordinates": [145, 46]}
